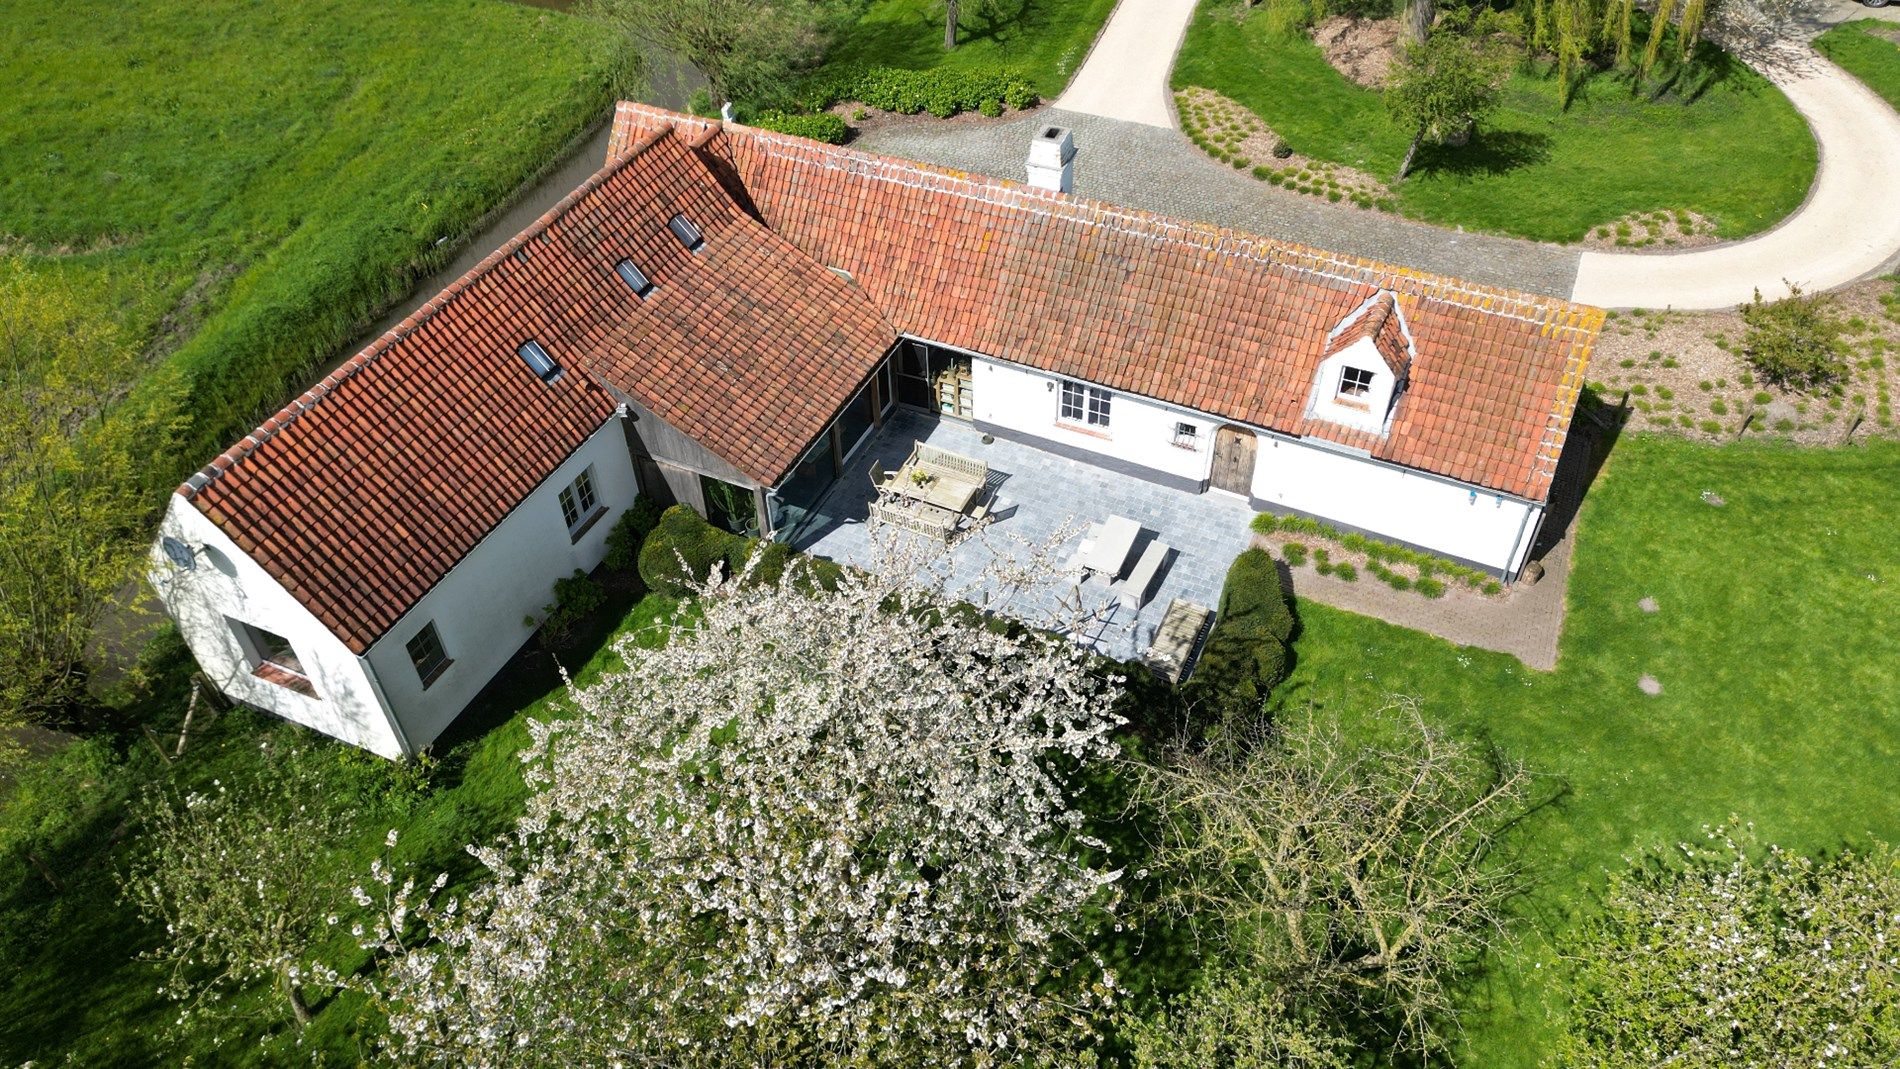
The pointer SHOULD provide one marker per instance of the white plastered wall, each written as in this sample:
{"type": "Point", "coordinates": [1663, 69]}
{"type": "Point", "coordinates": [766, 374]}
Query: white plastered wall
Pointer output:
{"type": "Point", "coordinates": [225, 585]}
{"type": "Point", "coordinates": [1140, 431]}
{"type": "Point", "coordinates": [1450, 518]}
{"type": "Point", "coordinates": [480, 608]}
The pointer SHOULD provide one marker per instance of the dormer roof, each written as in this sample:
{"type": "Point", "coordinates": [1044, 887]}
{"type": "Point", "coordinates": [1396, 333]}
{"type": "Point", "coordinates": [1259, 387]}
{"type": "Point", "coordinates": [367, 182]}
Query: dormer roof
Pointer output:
{"type": "Point", "coordinates": [1379, 319]}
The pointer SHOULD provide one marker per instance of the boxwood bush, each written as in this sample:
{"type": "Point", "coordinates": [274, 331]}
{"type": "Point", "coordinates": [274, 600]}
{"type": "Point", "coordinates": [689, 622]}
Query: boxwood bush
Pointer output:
{"type": "Point", "coordinates": [1246, 656]}
{"type": "Point", "coordinates": [683, 548]}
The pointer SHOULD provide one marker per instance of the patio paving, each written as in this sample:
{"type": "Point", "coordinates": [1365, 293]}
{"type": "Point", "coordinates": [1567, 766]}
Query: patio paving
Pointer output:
{"type": "Point", "coordinates": [1038, 494]}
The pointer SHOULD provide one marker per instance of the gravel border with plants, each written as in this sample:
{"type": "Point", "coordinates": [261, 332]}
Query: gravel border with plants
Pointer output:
{"type": "Point", "coordinates": [1684, 374]}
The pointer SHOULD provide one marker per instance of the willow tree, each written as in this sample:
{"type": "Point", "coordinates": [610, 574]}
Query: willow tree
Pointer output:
{"type": "Point", "coordinates": [1657, 26]}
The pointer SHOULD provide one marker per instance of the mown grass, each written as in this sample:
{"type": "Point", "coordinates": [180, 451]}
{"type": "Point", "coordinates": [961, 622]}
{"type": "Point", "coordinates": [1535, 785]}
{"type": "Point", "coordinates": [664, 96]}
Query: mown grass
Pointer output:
{"type": "Point", "coordinates": [1778, 659]}
{"type": "Point", "coordinates": [1043, 40]}
{"type": "Point", "coordinates": [248, 185]}
{"type": "Point", "coordinates": [1869, 49]}
{"type": "Point", "coordinates": [1718, 139]}
{"type": "Point", "coordinates": [70, 982]}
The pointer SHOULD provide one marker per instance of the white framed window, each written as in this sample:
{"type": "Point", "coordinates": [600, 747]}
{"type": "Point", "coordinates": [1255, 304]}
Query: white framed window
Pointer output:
{"type": "Point", "coordinates": [1187, 436]}
{"type": "Point", "coordinates": [426, 653]}
{"type": "Point", "coordinates": [1084, 404]}
{"type": "Point", "coordinates": [579, 502]}
{"type": "Point", "coordinates": [1355, 382]}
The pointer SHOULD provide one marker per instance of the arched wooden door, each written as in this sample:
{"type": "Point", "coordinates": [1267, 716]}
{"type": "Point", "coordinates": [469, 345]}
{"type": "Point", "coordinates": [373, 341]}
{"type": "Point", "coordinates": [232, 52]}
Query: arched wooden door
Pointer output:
{"type": "Point", "coordinates": [1233, 460]}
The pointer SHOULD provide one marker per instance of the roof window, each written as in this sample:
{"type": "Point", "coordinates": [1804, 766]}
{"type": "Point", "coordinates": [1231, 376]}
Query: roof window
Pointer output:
{"type": "Point", "coordinates": [684, 230]}
{"type": "Point", "coordinates": [635, 278]}
{"type": "Point", "coordinates": [539, 361]}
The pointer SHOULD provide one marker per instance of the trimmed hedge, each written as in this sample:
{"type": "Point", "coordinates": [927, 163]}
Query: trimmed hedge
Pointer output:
{"type": "Point", "coordinates": [629, 531]}
{"type": "Point", "coordinates": [683, 535]}
{"type": "Point", "coordinates": [823, 126]}
{"type": "Point", "coordinates": [1246, 656]}
{"type": "Point", "coordinates": [941, 91]}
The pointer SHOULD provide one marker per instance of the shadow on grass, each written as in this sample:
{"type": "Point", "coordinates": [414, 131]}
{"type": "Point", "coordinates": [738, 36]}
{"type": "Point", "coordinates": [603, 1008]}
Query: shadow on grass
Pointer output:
{"type": "Point", "coordinates": [1491, 152]}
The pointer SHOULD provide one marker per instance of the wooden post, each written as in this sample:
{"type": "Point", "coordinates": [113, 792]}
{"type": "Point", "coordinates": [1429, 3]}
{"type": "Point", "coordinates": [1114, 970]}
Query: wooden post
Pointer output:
{"type": "Point", "coordinates": [184, 730]}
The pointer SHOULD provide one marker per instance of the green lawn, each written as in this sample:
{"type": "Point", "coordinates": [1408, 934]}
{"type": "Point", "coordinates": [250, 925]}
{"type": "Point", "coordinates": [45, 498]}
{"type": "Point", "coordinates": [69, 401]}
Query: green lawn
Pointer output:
{"type": "Point", "coordinates": [1735, 151]}
{"type": "Point", "coordinates": [247, 185]}
{"type": "Point", "coordinates": [69, 981]}
{"type": "Point", "coordinates": [1870, 50]}
{"type": "Point", "coordinates": [1775, 647]}
{"type": "Point", "coordinates": [1043, 40]}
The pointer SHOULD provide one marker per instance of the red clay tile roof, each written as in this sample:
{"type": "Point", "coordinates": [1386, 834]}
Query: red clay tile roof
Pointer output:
{"type": "Point", "coordinates": [1202, 316]}
{"type": "Point", "coordinates": [360, 495]}
{"type": "Point", "coordinates": [1387, 331]}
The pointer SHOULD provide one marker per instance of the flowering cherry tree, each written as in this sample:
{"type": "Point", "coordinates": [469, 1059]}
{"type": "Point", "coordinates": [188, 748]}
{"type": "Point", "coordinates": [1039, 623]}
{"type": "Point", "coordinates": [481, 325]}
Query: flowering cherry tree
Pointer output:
{"type": "Point", "coordinates": [819, 827]}
{"type": "Point", "coordinates": [1728, 954]}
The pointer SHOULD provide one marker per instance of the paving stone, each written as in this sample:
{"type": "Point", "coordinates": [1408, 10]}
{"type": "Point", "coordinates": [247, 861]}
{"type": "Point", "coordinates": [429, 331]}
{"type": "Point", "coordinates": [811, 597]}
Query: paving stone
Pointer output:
{"type": "Point", "coordinates": [1156, 169]}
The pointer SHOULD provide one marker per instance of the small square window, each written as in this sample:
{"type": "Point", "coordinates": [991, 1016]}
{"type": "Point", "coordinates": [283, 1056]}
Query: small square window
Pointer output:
{"type": "Point", "coordinates": [539, 361]}
{"type": "Point", "coordinates": [635, 278]}
{"type": "Point", "coordinates": [578, 501]}
{"type": "Point", "coordinates": [426, 653]}
{"type": "Point", "coordinates": [1355, 382]}
{"type": "Point", "coordinates": [686, 232]}
{"type": "Point", "coordinates": [1187, 435]}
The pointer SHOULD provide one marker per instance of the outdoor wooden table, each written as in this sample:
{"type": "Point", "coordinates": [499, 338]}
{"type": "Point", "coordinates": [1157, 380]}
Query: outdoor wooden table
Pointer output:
{"type": "Point", "coordinates": [1109, 555]}
{"type": "Point", "coordinates": [941, 490]}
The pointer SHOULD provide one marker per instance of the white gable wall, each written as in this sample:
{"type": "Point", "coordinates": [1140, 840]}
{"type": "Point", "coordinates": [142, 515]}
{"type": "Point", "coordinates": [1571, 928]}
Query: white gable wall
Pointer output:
{"type": "Point", "coordinates": [377, 700]}
{"type": "Point", "coordinates": [1366, 413]}
{"type": "Point", "coordinates": [479, 608]}
{"type": "Point", "coordinates": [1484, 528]}
{"type": "Point", "coordinates": [226, 585]}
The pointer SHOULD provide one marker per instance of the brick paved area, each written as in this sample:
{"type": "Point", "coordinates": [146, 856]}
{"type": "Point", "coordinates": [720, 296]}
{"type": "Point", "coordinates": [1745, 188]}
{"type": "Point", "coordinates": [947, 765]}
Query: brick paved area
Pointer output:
{"type": "Point", "coordinates": [1148, 167]}
{"type": "Point", "coordinates": [1038, 494]}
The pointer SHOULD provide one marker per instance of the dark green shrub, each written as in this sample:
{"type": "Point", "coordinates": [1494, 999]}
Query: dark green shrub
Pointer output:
{"type": "Point", "coordinates": [822, 126]}
{"type": "Point", "coordinates": [574, 598]}
{"type": "Point", "coordinates": [941, 91]}
{"type": "Point", "coordinates": [1246, 655]}
{"type": "Point", "coordinates": [629, 531]}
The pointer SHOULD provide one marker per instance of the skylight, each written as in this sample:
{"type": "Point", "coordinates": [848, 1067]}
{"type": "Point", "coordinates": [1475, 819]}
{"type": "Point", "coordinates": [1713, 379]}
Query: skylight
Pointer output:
{"type": "Point", "coordinates": [635, 278]}
{"type": "Point", "coordinates": [684, 230]}
{"type": "Point", "coordinates": [539, 361]}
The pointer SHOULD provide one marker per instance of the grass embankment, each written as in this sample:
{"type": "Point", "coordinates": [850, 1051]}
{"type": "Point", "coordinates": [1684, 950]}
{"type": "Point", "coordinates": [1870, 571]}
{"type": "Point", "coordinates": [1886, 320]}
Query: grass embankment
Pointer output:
{"type": "Point", "coordinates": [246, 186]}
{"type": "Point", "coordinates": [70, 984]}
{"type": "Point", "coordinates": [1718, 140]}
{"type": "Point", "coordinates": [1774, 646]}
{"type": "Point", "coordinates": [1869, 49]}
{"type": "Point", "coordinates": [1042, 40]}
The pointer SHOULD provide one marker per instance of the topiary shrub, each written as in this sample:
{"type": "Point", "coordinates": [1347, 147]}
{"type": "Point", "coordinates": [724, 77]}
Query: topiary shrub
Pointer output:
{"type": "Point", "coordinates": [823, 126]}
{"type": "Point", "coordinates": [940, 91]}
{"type": "Point", "coordinates": [682, 550]}
{"type": "Point", "coordinates": [629, 531]}
{"type": "Point", "coordinates": [1246, 655]}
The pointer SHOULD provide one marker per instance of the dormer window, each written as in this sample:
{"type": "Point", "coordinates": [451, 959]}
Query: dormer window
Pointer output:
{"type": "Point", "coordinates": [539, 361]}
{"type": "Point", "coordinates": [1355, 382]}
{"type": "Point", "coordinates": [635, 278]}
{"type": "Point", "coordinates": [687, 233]}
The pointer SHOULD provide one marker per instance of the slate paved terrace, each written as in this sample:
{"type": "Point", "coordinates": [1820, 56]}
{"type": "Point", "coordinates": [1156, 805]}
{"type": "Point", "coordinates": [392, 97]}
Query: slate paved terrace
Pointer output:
{"type": "Point", "coordinates": [1037, 494]}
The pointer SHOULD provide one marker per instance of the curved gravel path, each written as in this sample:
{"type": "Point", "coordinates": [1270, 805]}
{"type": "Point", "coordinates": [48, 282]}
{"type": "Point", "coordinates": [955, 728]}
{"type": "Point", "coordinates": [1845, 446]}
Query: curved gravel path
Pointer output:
{"type": "Point", "coordinates": [1120, 108]}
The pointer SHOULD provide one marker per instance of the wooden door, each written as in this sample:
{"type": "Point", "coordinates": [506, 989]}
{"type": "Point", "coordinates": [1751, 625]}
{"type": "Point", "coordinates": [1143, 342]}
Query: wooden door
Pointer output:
{"type": "Point", "coordinates": [1233, 460]}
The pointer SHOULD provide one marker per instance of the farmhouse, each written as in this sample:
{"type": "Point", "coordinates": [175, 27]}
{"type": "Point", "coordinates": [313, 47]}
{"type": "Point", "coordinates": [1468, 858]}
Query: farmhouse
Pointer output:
{"type": "Point", "coordinates": [724, 316]}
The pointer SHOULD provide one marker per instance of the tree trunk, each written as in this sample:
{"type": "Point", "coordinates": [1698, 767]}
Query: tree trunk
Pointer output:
{"type": "Point", "coordinates": [294, 995]}
{"type": "Point", "coordinates": [1405, 165]}
{"type": "Point", "coordinates": [1418, 20]}
{"type": "Point", "coordinates": [949, 24]}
